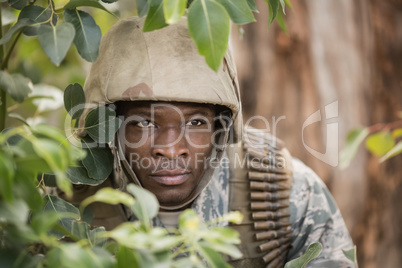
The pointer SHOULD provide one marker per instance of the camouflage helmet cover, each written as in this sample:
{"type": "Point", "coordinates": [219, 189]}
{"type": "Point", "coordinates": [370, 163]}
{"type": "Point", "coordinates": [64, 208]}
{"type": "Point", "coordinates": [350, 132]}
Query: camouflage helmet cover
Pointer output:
{"type": "Point", "coordinates": [162, 65]}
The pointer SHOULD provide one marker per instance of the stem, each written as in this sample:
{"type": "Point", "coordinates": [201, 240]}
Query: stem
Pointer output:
{"type": "Point", "coordinates": [3, 103]}
{"type": "Point", "coordinates": [10, 51]}
{"type": "Point", "coordinates": [385, 126]}
{"type": "Point", "coordinates": [2, 110]}
{"type": "Point", "coordinates": [4, 64]}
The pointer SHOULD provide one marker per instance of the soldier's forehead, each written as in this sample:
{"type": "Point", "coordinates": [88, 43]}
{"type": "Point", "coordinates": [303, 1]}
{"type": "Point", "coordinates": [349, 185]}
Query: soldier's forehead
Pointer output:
{"type": "Point", "coordinates": [161, 106]}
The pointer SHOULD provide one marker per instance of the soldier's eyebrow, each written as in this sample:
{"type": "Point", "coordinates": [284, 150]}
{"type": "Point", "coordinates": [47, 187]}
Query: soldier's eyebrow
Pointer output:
{"type": "Point", "coordinates": [198, 112]}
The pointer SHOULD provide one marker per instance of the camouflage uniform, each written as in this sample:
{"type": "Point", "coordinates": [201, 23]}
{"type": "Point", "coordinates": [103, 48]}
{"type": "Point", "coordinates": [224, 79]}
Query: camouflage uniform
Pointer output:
{"type": "Point", "coordinates": [314, 214]}
{"type": "Point", "coordinates": [164, 65]}
{"type": "Point", "coordinates": [315, 217]}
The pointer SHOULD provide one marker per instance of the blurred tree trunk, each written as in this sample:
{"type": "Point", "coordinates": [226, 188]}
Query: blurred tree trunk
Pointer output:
{"type": "Point", "coordinates": [345, 51]}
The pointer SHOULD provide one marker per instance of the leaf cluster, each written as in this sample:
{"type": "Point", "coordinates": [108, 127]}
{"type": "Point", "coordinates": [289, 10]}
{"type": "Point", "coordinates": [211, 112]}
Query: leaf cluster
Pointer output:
{"type": "Point", "coordinates": [208, 20]}
{"type": "Point", "coordinates": [382, 140]}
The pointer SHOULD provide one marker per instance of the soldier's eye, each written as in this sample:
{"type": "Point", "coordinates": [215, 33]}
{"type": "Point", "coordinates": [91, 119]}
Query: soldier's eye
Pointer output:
{"type": "Point", "coordinates": [195, 122]}
{"type": "Point", "coordinates": [145, 123]}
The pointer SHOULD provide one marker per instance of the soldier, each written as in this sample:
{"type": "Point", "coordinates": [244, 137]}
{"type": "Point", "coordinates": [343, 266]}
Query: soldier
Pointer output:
{"type": "Point", "coordinates": [183, 140]}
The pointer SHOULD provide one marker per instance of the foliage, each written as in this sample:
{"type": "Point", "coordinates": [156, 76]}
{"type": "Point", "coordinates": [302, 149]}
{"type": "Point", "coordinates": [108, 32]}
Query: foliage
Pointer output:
{"type": "Point", "coordinates": [351, 255]}
{"type": "Point", "coordinates": [312, 252]}
{"type": "Point", "coordinates": [382, 140]}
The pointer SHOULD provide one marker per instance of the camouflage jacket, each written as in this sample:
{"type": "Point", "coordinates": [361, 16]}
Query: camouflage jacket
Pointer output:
{"type": "Point", "coordinates": [314, 215]}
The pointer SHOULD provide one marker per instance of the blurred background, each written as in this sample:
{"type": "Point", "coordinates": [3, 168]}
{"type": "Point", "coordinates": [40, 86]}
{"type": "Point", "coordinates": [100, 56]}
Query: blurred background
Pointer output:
{"type": "Point", "coordinates": [344, 51]}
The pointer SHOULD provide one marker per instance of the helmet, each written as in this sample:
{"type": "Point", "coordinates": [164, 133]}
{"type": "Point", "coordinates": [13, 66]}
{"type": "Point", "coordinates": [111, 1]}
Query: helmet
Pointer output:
{"type": "Point", "coordinates": [162, 65]}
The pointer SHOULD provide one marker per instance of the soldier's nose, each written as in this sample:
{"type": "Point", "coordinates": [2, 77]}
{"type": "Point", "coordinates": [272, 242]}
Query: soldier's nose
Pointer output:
{"type": "Point", "coordinates": [170, 143]}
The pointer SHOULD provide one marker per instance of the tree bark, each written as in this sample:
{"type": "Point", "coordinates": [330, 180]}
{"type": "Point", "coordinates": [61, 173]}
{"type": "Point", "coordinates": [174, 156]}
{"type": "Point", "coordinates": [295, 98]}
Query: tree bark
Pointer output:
{"type": "Point", "coordinates": [345, 51]}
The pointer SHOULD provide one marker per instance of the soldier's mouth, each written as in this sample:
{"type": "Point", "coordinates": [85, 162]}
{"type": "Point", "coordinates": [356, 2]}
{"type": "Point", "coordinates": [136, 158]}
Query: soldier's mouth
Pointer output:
{"type": "Point", "coordinates": [171, 177]}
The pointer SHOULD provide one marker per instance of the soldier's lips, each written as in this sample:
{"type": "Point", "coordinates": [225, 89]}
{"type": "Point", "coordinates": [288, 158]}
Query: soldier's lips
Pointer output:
{"type": "Point", "coordinates": [171, 177]}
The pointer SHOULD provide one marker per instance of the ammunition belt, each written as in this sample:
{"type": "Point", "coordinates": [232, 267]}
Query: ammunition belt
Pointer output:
{"type": "Point", "coordinates": [261, 192]}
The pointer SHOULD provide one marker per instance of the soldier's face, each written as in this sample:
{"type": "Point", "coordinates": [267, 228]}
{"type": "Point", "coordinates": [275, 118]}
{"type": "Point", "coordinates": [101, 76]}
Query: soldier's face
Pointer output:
{"type": "Point", "coordinates": [168, 146]}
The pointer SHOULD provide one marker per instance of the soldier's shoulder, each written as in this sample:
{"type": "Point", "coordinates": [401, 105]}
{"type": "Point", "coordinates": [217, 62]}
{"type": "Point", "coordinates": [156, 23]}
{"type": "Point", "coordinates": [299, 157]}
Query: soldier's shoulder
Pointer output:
{"type": "Point", "coordinates": [308, 192]}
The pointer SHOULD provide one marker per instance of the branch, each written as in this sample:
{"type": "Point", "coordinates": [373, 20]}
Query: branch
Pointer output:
{"type": "Point", "coordinates": [384, 126]}
{"type": "Point", "coordinates": [3, 103]}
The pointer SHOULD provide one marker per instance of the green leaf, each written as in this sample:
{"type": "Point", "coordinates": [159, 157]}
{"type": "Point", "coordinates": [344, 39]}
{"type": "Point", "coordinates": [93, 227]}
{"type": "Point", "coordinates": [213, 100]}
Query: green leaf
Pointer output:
{"type": "Point", "coordinates": [15, 257]}
{"type": "Point", "coordinates": [79, 175]}
{"type": "Point", "coordinates": [283, 5]}
{"type": "Point", "coordinates": [397, 149]}
{"type": "Point", "coordinates": [16, 212]}
{"type": "Point", "coordinates": [109, 196]}
{"type": "Point", "coordinates": [239, 10]}
{"type": "Point", "coordinates": [312, 252]}
{"type": "Point", "coordinates": [155, 18]}
{"type": "Point", "coordinates": [98, 162]}
{"type": "Point", "coordinates": [222, 234]}
{"type": "Point", "coordinates": [223, 247]}
{"type": "Point", "coordinates": [380, 143]}
{"type": "Point", "coordinates": [350, 254]}
{"type": "Point", "coordinates": [37, 14]}
{"type": "Point", "coordinates": [13, 139]}
{"type": "Point", "coordinates": [54, 154]}
{"type": "Point", "coordinates": [80, 229]}
{"type": "Point", "coordinates": [273, 10]}
{"type": "Point", "coordinates": [287, 2]}
{"type": "Point", "coordinates": [208, 24]}
{"type": "Point", "coordinates": [28, 160]}
{"type": "Point", "coordinates": [233, 217]}
{"type": "Point", "coordinates": [101, 124]}
{"type": "Point", "coordinates": [77, 153]}
{"type": "Point", "coordinates": [213, 258]}
{"type": "Point", "coordinates": [251, 4]}
{"type": "Point", "coordinates": [67, 212]}
{"type": "Point", "coordinates": [156, 240]}
{"type": "Point", "coordinates": [97, 237]}
{"type": "Point", "coordinates": [43, 221]}
{"type": "Point", "coordinates": [42, 130]}
{"type": "Point", "coordinates": [126, 258]}
{"type": "Point", "coordinates": [74, 100]}
{"type": "Point", "coordinates": [142, 7]}
{"type": "Point", "coordinates": [7, 17]}
{"type": "Point", "coordinates": [87, 33]}
{"type": "Point", "coordinates": [18, 117]}
{"type": "Point", "coordinates": [103, 257]}
{"type": "Point", "coordinates": [71, 255]}
{"type": "Point", "coordinates": [56, 41]}
{"type": "Point", "coordinates": [146, 206]}
{"type": "Point", "coordinates": [18, 4]}
{"type": "Point", "coordinates": [18, 27]}
{"type": "Point", "coordinates": [353, 140]}
{"type": "Point", "coordinates": [174, 10]}
{"type": "Point", "coordinates": [7, 176]}
{"type": "Point", "coordinates": [397, 133]}
{"type": "Point", "coordinates": [16, 85]}
{"type": "Point", "coordinates": [27, 190]}
{"type": "Point", "coordinates": [281, 22]}
{"type": "Point", "coordinates": [86, 3]}
{"type": "Point", "coordinates": [190, 223]}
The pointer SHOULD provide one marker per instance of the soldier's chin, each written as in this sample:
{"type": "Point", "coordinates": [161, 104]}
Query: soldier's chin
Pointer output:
{"type": "Point", "coordinates": [173, 199]}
